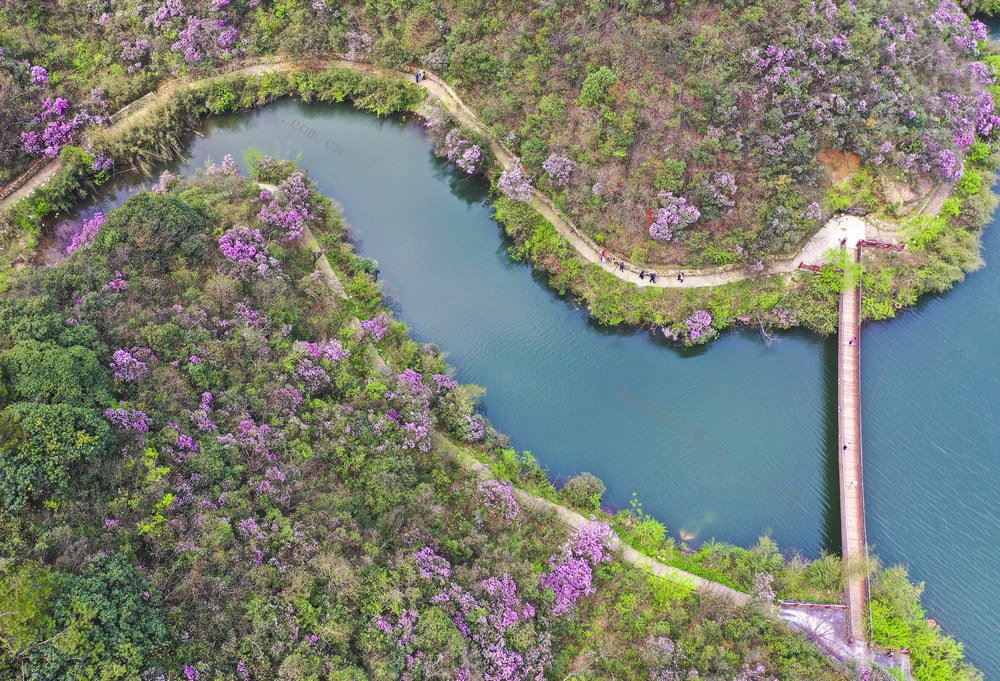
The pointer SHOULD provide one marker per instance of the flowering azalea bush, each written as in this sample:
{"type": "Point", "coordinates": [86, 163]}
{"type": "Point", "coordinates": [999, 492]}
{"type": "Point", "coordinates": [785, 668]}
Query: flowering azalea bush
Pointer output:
{"type": "Point", "coordinates": [87, 232]}
{"type": "Point", "coordinates": [289, 212]}
{"type": "Point", "coordinates": [463, 153]}
{"type": "Point", "coordinates": [246, 252]}
{"type": "Point", "coordinates": [572, 574]}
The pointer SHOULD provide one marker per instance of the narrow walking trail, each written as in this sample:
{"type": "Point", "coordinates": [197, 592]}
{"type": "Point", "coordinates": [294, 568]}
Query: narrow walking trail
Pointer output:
{"type": "Point", "coordinates": [829, 236]}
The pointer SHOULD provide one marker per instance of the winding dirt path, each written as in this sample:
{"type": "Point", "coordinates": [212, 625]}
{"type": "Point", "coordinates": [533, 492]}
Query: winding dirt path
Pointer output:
{"type": "Point", "coordinates": [829, 236]}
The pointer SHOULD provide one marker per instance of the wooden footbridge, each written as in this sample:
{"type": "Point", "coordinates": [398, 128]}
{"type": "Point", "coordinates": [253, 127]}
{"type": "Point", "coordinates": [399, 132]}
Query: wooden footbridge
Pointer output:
{"type": "Point", "coordinates": [852, 488]}
{"type": "Point", "coordinates": [842, 631]}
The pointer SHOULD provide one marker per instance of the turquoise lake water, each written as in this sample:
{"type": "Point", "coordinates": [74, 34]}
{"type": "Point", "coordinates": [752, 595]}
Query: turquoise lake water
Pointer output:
{"type": "Point", "coordinates": [727, 441]}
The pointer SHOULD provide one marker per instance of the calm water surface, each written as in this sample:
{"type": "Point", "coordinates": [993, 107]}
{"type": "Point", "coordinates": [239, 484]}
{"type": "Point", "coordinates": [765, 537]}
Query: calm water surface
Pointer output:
{"type": "Point", "coordinates": [727, 442]}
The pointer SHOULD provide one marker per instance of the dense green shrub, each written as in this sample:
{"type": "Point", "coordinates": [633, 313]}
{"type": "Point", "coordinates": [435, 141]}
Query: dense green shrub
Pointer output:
{"type": "Point", "coordinates": [583, 491]}
{"type": "Point", "coordinates": [152, 225]}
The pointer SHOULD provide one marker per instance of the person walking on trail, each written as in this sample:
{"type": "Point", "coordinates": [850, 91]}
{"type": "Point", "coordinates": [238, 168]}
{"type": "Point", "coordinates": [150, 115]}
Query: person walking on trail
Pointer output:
{"type": "Point", "coordinates": [642, 275]}
{"type": "Point", "coordinates": [853, 340]}
{"type": "Point", "coordinates": [652, 277]}
{"type": "Point", "coordinates": [417, 76]}
{"type": "Point", "coordinates": [680, 277]}
{"type": "Point", "coordinates": [604, 255]}
{"type": "Point", "coordinates": [621, 265]}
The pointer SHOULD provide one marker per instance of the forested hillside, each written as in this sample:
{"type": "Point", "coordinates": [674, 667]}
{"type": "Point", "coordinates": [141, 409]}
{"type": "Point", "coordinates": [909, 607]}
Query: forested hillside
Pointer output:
{"type": "Point", "coordinates": [726, 123]}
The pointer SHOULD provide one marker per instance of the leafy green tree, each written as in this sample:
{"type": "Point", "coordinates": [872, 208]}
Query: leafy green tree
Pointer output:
{"type": "Point", "coordinates": [117, 631]}
{"type": "Point", "coordinates": [472, 63]}
{"type": "Point", "coordinates": [40, 447]}
{"type": "Point", "coordinates": [44, 371]}
{"type": "Point", "coordinates": [25, 593]}
{"type": "Point", "coordinates": [39, 318]}
{"type": "Point", "coordinates": [595, 87]}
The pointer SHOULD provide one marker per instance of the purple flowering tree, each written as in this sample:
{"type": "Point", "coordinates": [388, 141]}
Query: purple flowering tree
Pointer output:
{"type": "Point", "coordinates": [310, 363]}
{"type": "Point", "coordinates": [515, 183]}
{"type": "Point", "coordinates": [499, 495]}
{"type": "Point", "coordinates": [559, 169]}
{"type": "Point", "coordinates": [288, 213]}
{"type": "Point", "coordinates": [699, 326]}
{"type": "Point", "coordinates": [722, 188]}
{"type": "Point", "coordinates": [463, 153]}
{"type": "Point", "coordinates": [376, 327]}
{"type": "Point", "coordinates": [131, 365]}
{"type": "Point", "coordinates": [246, 253]}
{"type": "Point", "coordinates": [675, 214]}
{"type": "Point", "coordinates": [57, 128]}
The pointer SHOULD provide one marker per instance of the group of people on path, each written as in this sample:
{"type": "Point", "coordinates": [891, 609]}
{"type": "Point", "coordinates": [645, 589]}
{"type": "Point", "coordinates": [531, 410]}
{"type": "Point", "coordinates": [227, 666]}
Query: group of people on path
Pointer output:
{"type": "Point", "coordinates": [619, 264]}
{"type": "Point", "coordinates": [420, 75]}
